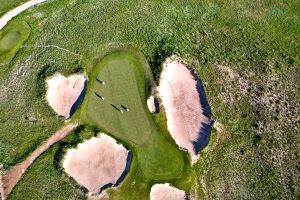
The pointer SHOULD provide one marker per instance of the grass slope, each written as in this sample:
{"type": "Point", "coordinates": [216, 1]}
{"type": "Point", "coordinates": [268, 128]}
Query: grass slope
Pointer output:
{"type": "Point", "coordinates": [125, 84]}
{"type": "Point", "coordinates": [256, 158]}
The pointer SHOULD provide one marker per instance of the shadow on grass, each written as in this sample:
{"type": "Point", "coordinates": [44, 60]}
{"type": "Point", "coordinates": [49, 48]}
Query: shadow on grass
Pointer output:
{"type": "Point", "coordinates": [205, 128]}
{"type": "Point", "coordinates": [160, 54]}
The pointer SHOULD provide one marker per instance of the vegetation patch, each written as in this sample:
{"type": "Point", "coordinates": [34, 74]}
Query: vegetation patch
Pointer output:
{"type": "Point", "coordinates": [116, 103]}
{"type": "Point", "coordinates": [12, 37]}
{"type": "Point", "coordinates": [255, 153]}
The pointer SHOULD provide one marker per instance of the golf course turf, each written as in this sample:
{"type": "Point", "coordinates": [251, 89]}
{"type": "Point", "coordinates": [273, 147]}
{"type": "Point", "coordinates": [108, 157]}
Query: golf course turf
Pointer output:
{"type": "Point", "coordinates": [125, 85]}
{"type": "Point", "coordinates": [11, 39]}
{"type": "Point", "coordinates": [246, 54]}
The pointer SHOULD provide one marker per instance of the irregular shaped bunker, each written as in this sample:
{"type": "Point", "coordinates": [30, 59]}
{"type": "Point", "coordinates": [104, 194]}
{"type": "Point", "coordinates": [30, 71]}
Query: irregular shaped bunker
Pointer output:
{"type": "Point", "coordinates": [188, 113]}
{"type": "Point", "coordinates": [64, 95]}
{"type": "Point", "coordinates": [166, 192]}
{"type": "Point", "coordinates": [98, 163]}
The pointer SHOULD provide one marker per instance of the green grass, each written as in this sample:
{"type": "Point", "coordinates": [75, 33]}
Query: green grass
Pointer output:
{"type": "Point", "coordinates": [47, 185]}
{"type": "Point", "coordinates": [259, 40]}
{"type": "Point", "coordinates": [54, 182]}
{"type": "Point", "coordinates": [125, 84]}
{"type": "Point", "coordinates": [12, 37]}
{"type": "Point", "coordinates": [9, 40]}
{"type": "Point", "coordinates": [6, 6]}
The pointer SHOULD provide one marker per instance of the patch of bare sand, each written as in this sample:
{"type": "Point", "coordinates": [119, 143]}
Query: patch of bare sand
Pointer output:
{"type": "Point", "coordinates": [97, 163]}
{"type": "Point", "coordinates": [63, 93]}
{"type": "Point", "coordinates": [151, 104]}
{"type": "Point", "coordinates": [188, 113]}
{"type": "Point", "coordinates": [16, 11]}
{"type": "Point", "coordinates": [11, 177]}
{"type": "Point", "coordinates": [166, 192]}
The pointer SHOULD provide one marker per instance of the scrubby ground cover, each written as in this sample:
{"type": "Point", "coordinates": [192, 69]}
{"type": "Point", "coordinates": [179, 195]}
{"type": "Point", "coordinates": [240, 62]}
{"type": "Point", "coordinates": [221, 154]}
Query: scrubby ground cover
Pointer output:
{"type": "Point", "coordinates": [256, 101]}
{"type": "Point", "coordinates": [6, 6]}
{"type": "Point", "coordinates": [54, 183]}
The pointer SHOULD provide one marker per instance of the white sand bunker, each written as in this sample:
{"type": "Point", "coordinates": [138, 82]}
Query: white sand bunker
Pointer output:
{"type": "Point", "coordinates": [152, 105]}
{"type": "Point", "coordinates": [188, 115]}
{"type": "Point", "coordinates": [166, 192]}
{"type": "Point", "coordinates": [64, 94]}
{"type": "Point", "coordinates": [97, 163]}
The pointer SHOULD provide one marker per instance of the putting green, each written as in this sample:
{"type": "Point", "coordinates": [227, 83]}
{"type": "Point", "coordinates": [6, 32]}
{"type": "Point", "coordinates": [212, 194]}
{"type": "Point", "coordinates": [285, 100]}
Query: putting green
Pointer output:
{"type": "Point", "coordinates": [11, 38]}
{"type": "Point", "coordinates": [126, 79]}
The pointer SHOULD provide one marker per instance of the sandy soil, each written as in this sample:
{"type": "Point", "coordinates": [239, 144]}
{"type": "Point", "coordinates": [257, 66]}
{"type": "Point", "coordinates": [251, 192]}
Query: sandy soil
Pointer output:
{"type": "Point", "coordinates": [151, 104]}
{"type": "Point", "coordinates": [16, 11]}
{"type": "Point", "coordinates": [11, 177]}
{"type": "Point", "coordinates": [62, 92]}
{"type": "Point", "coordinates": [166, 192]}
{"type": "Point", "coordinates": [97, 163]}
{"type": "Point", "coordinates": [188, 118]}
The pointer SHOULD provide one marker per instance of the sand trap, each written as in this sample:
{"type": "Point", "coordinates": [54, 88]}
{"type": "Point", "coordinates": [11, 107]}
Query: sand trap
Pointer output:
{"type": "Point", "coordinates": [16, 11]}
{"type": "Point", "coordinates": [166, 192]}
{"type": "Point", "coordinates": [188, 114]}
{"type": "Point", "coordinates": [152, 105]}
{"type": "Point", "coordinates": [97, 163]}
{"type": "Point", "coordinates": [65, 94]}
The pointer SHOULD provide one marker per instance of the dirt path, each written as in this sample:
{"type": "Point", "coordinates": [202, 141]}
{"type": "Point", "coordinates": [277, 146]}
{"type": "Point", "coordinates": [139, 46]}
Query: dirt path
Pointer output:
{"type": "Point", "coordinates": [11, 177]}
{"type": "Point", "coordinates": [16, 11]}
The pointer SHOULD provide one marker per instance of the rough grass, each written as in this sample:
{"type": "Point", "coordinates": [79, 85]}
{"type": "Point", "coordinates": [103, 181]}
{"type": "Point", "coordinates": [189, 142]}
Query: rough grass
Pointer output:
{"type": "Point", "coordinates": [259, 40]}
{"type": "Point", "coordinates": [125, 84]}
{"type": "Point", "coordinates": [54, 182]}
{"type": "Point", "coordinates": [6, 6]}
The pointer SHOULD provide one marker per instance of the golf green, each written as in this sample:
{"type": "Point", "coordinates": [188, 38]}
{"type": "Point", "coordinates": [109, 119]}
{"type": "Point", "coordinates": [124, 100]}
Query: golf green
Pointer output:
{"type": "Point", "coordinates": [11, 38]}
{"type": "Point", "coordinates": [116, 103]}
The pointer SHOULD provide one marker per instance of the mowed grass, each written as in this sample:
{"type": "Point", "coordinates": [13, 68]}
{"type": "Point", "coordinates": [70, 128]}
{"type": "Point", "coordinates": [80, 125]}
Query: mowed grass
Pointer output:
{"type": "Point", "coordinates": [259, 40]}
{"type": "Point", "coordinates": [125, 85]}
{"type": "Point", "coordinates": [119, 71]}
{"type": "Point", "coordinates": [12, 37]}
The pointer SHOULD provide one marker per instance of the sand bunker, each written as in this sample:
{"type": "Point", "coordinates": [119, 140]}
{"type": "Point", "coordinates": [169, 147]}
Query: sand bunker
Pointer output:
{"type": "Point", "coordinates": [97, 163]}
{"type": "Point", "coordinates": [16, 11]}
{"type": "Point", "coordinates": [166, 192]}
{"type": "Point", "coordinates": [64, 95]}
{"type": "Point", "coordinates": [152, 104]}
{"type": "Point", "coordinates": [188, 113]}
